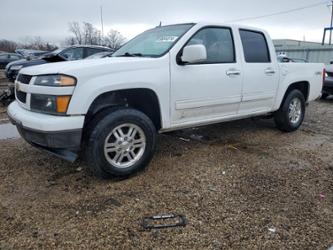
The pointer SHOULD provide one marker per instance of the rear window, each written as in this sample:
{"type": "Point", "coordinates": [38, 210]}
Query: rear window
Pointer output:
{"type": "Point", "coordinates": [255, 47]}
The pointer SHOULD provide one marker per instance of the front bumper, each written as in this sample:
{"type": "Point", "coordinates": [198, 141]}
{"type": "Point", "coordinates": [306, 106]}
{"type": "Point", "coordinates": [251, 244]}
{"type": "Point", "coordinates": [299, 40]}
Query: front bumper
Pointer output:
{"type": "Point", "coordinates": [53, 133]}
{"type": "Point", "coordinates": [70, 140]}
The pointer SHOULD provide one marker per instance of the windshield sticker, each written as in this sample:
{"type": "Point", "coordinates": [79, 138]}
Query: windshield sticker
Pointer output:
{"type": "Point", "coordinates": [167, 39]}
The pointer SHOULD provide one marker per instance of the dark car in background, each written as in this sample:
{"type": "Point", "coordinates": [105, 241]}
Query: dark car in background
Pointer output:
{"type": "Point", "coordinates": [30, 54]}
{"type": "Point", "coordinates": [6, 58]}
{"type": "Point", "coordinates": [328, 83]}
{"type": "Point", "coordinates": [72, 53]}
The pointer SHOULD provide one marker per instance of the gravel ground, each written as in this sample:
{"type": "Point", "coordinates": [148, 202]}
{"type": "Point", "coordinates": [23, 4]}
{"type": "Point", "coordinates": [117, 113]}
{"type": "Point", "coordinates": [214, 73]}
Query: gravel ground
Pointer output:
{"type": "Point", "coordinates": [241, 185]}
{"type": "Point", "coordinates": [3, 114]}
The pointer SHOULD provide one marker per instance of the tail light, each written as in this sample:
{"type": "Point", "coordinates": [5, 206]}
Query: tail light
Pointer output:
{"type": "Point", "coordinates": [324, 76]}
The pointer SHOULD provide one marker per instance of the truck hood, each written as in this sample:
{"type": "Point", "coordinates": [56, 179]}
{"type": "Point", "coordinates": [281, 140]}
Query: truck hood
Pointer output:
{"type": "Point", "coordinates": [92, 67]}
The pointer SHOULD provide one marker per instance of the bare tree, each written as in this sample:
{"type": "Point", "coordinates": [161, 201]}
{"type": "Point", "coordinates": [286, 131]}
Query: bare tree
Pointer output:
{"type": "Point", "coordinates": [75, 29]}
{"type": "Point", "coordinates": [8, 46]}
{"type": "Point", "coordinates": [91, 34]}
{"type": "Point", "coordinates": [114, 39]}
{"type": "Point", "coordinates": [37, 43]}
{"type": "Point", "coordinates": [87, 34]}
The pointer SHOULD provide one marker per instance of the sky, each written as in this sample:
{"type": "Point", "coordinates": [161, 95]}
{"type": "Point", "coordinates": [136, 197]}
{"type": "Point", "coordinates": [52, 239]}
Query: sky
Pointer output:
{"type": "Point", "coordinates": [49, 18]}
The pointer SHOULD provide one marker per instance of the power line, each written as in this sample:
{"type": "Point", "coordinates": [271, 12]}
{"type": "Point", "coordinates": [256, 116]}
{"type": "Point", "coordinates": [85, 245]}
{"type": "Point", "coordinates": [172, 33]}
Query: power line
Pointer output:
{"type": "Point", "coordinates": [279, 13]}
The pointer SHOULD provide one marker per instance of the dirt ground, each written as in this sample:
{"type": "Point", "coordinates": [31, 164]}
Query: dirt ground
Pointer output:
{"type": "Point", "coordinates": [3, 114]}
{"type": "Point", "coordinates": [241, 185]}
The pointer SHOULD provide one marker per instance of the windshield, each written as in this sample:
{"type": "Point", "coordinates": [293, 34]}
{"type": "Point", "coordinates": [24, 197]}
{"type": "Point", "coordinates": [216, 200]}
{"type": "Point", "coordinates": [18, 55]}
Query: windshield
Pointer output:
{"type": "Point", "coordinates": [154, 42]}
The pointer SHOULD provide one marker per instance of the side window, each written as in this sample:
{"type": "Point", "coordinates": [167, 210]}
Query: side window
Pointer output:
{"type": "Point", "coordinates": [255, 47]}
{"type": "Point", "coordinates": [3, 57]}
{"type": "Point", "coordinates": [92, 51]}
{"type": "Point", "coordinates": [73, 54]}
{"type": "Point", "coordinates": [218, 42]}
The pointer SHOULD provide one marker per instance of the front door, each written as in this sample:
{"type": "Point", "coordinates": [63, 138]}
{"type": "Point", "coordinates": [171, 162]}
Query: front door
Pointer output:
{"type": "Point", "coordinates": [210, 90]}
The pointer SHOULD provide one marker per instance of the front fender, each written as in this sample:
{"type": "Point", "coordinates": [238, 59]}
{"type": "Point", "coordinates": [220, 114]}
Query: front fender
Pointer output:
{"type": "Point", "coordinates": [156, 80]}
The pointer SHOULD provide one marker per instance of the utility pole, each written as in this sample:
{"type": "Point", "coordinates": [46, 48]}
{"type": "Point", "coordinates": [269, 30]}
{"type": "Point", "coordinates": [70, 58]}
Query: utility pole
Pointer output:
{"type": "Point", "coordinates": [331, 27]}
{"type": "Point", "coordinates": [102, 22]}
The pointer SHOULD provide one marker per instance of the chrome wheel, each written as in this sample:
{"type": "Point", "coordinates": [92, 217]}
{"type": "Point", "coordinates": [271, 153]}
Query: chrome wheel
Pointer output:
{"type": "Point", "coordinates": [295, 110]}
{"type": "Point", "coordinates": [125, 145]}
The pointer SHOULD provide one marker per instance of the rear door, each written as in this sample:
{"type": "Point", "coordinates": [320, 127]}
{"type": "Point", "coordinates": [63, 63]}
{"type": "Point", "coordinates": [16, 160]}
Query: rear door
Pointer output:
{"type": "Point", "coordinates": [260, 73]}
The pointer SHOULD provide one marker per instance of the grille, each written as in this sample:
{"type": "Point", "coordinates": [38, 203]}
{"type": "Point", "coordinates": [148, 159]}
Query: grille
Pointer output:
{"type": "Point", "coordinates": [21, 96]}
{"type": "Point", "coordinates": [25, 79]}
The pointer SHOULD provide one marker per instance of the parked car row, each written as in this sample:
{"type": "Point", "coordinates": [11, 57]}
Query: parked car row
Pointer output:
{"type": "Point", "coordinates": [26, 58]}
{"type": "Point", "coordinates": [6, 58]}
{"type": "Point", "coordinates": [30, 54]}
{"type": "Point", "coordinates": [63, 54]}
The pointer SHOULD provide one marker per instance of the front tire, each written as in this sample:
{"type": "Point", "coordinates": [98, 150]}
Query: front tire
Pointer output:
{"type": "Point", "coordinates": [292, 112]}
{"type": "Point", "coordinates": [120, 143]}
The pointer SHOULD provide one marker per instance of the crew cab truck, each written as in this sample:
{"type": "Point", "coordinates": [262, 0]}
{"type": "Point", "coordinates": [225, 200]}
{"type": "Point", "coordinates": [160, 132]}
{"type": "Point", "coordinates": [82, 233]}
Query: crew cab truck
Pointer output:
{"type": "Point", "coordinates": [167, 78]}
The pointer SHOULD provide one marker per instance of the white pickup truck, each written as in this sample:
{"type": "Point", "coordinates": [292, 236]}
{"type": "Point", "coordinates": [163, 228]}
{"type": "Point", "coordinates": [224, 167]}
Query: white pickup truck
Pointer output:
{"type": "Point", "coordinates": [167, 78]}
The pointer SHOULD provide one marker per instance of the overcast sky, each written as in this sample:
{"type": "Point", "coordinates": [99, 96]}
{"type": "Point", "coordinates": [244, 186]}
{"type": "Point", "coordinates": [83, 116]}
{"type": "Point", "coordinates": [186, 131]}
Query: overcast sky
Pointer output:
{"type": "Point", "coordinates": [49, 18]}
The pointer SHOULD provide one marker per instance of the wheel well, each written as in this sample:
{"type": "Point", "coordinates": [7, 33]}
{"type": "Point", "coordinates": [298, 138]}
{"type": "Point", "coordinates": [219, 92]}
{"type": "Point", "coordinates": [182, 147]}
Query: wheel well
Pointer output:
{"type": "Point", "coordinates": [144, 100]}
{"type": "Point", "coordinates": [304, 87]}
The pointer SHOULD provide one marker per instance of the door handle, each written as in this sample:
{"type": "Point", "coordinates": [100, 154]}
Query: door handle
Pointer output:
{"type": "Point", "coordinates": [233, 72]}
{"type": "Point", "coordinates": [270, 71]}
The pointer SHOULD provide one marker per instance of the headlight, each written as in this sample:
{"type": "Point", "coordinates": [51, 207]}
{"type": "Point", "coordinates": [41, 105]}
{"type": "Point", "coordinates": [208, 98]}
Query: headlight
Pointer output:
{"type": "Point", "coordinates": [55, 81]}
{"type": "Point", "coordinates": [16, 67]}
{"type": "Point", "coordinates": [56, 105]}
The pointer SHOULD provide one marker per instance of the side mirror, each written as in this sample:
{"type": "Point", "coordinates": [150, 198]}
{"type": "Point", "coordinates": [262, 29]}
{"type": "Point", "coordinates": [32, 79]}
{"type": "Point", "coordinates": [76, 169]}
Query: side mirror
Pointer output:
{"type": "Point", "coordinates": [194, 54]}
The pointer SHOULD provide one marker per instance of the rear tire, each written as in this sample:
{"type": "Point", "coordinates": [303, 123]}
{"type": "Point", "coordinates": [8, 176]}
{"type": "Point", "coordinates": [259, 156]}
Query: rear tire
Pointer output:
{"type": "Point", "coordinates": [291, 114]}
{"type": "Point", "coordinates": [120, 143]}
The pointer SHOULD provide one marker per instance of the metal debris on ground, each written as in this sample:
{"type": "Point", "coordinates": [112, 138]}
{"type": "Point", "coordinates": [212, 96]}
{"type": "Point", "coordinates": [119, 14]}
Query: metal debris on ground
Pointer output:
{"type": "Point", "coordinates": [184, 139]}
{"type": "Point", "coordinates": [197, 137]}
{"type": "Point", "coordinates": [175, 220]}
{"type": "Point", "coordinates": [272, 229]}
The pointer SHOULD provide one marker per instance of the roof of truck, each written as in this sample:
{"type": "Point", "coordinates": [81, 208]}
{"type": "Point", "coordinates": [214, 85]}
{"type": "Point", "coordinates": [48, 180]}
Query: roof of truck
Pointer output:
{"type": "Point", "coordinates": [237, 26]}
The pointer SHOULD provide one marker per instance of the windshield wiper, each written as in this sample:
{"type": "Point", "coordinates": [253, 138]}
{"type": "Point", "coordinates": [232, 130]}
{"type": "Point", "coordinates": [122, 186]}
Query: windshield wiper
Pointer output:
{"type": "Point", "coordinates": [127, 54]}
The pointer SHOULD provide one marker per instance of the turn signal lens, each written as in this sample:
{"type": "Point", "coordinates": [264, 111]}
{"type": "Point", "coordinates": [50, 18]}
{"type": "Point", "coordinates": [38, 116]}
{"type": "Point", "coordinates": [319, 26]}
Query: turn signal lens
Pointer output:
{"type": "Point", "coordinates": [62, 103]}
{"type": "Point", "coordinates": [67, 81]}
